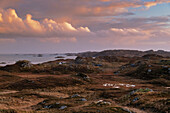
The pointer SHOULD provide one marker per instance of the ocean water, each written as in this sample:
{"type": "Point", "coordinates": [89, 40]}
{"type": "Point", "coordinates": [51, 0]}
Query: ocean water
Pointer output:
{"type": "Point", "coordinates": [7, 59]}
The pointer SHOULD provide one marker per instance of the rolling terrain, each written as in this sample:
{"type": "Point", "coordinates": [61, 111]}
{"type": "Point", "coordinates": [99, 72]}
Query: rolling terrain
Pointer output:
{"type": "Point", "coordinates": [106, 84]}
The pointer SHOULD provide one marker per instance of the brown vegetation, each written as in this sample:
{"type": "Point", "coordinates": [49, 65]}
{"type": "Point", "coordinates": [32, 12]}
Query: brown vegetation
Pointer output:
{"type": "Point", "coordinates": [107, 84]}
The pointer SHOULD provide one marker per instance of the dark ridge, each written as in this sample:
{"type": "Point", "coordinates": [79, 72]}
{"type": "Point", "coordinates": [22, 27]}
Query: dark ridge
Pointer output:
{"type": "Point", "coordinates": [125, 53]}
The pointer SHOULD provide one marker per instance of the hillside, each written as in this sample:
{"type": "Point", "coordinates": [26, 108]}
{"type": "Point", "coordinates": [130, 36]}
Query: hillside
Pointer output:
{"type": "Point", "coordinates": [125, 53]}
{"type": "Point", "coordinates": [106, 84]}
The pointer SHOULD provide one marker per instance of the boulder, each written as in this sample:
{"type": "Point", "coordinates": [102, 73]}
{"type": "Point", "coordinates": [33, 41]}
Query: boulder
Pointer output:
{"type": "Point", "coordinates": [75, 96]}
{"type": "Point", "coordinates": [82, 75]}
{"type": "Point", "coordinates": [83, 99]}
{"type": "Point", "coordinates": [63, 107]}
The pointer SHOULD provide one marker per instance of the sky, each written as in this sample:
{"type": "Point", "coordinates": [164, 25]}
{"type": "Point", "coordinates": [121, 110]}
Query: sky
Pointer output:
{"type": "Point", "coordinates": [60, 26]}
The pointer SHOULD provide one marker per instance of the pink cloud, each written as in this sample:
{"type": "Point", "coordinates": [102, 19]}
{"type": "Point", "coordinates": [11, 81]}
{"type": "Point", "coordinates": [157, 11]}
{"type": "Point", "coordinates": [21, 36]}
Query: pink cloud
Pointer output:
{"type": "Point", "coordinates": [58, 40]}
{"type": "Point", "coordinates": [132, 36]}
{"type": "Point", "coordinates": [13, 26]}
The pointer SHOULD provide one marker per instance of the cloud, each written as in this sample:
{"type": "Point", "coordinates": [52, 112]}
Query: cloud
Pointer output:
{"type": "Point", "coordinates": [97, 20]}
{"type": "Point", "coordinates": [153, 3]}
{"type": "Point", "coordinates": [117, 36]}
{"type": "Point", "coordinates": [13, 26]}
{"type": "Point", "coordinates": [1, 19]}
{"type": "Point", "coordinates": [128, 37]}
{"type": "Point", "coordinates": [119, 32]}
{"type": "Point", "coordinates": [58, 40]}
{"type": "Point", "coordinates": [125, 31]}
{"type": "Point", "coordinates": [80, 8]}
{"type": "Point", "coordinates": [77, 13]}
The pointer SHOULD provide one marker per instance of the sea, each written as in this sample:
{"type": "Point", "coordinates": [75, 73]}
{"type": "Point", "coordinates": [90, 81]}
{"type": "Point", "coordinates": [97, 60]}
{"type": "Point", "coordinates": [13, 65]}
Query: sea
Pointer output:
{"type": "Point", "coordinates": [8, 59]}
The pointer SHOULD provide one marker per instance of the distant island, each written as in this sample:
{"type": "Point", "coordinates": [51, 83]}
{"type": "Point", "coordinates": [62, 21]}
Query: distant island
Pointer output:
{"type": "Point", "coordinates": [126, 53]}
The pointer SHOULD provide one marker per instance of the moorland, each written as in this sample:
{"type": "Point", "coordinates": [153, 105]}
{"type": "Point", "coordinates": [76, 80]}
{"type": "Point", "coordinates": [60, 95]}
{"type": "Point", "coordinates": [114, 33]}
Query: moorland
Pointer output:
{"type": "Point", "coordinates": [91, 83]}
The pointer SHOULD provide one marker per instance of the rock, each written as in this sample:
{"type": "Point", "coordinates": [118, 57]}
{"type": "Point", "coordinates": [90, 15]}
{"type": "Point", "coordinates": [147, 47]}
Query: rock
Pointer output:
{"type": "Point", "coordinates": [62, 63]}
{"type": "Point", "coordinates": [115, 86]}
{"type": "Point", "coordinates": [149, 70]}
{"type": "Point", "coordinates": [132, 65]}
{"type": "Point", "coordinates": [149, 90]}
{"type": "Point", "coordinates": [121, 84]}
{"type": "Point", "coordinates": [57, 103]}
{"type": "Point", "coordinates": [150, 65]}
{"type": "Point", "coordinates": [24, 63]}
{"type": "Point", "coordinates": [128, 85]}
{"type": "Point", "coordinates": [99, 65]}
{"type": "Point", "coordinates": [75, 96]}
{"type": "Point", "coordinates": [101, 102]}
{"type": "Point", "coordinates": [106, 84]}
{"type": "Point", "coordinates": [63, 107]}
{"type": "Point", "coordinates": [165, 66]}
{"type": "Point", "coordinates": [127, 110]}
{"type": "Point", "coordinates": [132, 92]}
{"type": "Point", "coordinates": [49, 106]}
{"type": "Point", "coordinates": [135, 99]}
{"type": "Point", "coordinates": [83, 99]}
{"type": "Point", "coordinates": [43, 102]}
{"type": "Point", "coordinates": [117, 72]}
{"type": "Point", "coordinates": [82, 75]}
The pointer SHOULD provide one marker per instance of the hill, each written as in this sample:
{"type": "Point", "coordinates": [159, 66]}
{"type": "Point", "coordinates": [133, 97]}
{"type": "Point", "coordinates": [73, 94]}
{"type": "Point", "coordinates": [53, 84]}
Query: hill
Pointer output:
{"type": "Point", "coordinates": [125, 53]}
